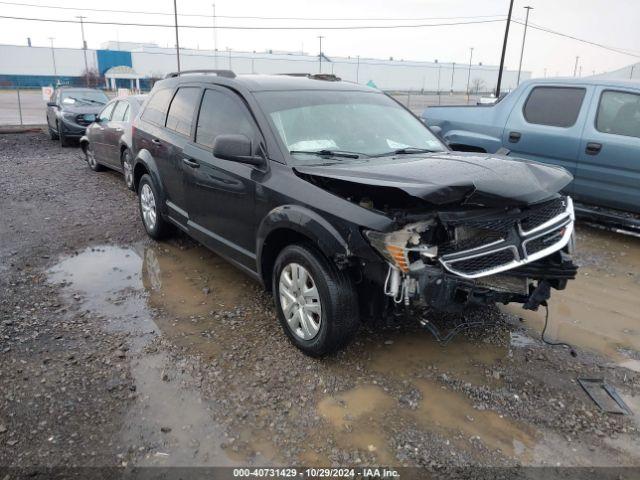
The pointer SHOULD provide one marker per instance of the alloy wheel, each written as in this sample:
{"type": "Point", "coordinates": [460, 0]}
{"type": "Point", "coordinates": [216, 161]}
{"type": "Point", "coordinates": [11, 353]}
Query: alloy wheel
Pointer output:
{"type": "Point", "coordinates": [127, 166]}
{"type": "Point", "coordinates": [300, 301]}
{"type": "Point", "coordinates": [148, 205]}
{"type": "Point", "coordinates": [91, 158]}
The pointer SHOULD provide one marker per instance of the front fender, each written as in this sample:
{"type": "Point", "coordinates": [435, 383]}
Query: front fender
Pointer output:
{"type": "Point", "coordinates": [306, 222]}
{"type": "Point", "coordinates": [473, 139]}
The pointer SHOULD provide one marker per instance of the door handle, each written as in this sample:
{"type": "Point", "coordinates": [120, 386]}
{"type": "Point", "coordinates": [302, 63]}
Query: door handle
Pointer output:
{"type": "Point", "coordinates": [190, 163]}
{"type": "Point", "coordinates": [514, 137]}
{"type": "Point", "coordinates": [118, 129]}
{"type": "Point", "coordinates": [593, 148]}
{"type": "Point", "coordinates": [156, 141]}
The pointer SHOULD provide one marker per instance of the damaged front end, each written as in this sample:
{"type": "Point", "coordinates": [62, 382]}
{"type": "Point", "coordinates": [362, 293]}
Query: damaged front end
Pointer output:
{"type": "Point", "coordinates": [455, 259]}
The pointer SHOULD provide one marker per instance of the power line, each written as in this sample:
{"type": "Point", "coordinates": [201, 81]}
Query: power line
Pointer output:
{"type": "Point", "coordinates": [565, 35]}
{"type": "Point", "coordinates": [238, 27]}
{"type": "Point", "coordinates": [104, 10]}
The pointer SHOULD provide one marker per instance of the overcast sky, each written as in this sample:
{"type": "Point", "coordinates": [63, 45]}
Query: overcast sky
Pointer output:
{"type": "Point", "coordinates": [610, 22]}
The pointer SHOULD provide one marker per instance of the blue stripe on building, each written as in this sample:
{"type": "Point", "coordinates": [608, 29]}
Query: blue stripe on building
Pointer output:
{"type": "Point", "coordinates": [112, 58]}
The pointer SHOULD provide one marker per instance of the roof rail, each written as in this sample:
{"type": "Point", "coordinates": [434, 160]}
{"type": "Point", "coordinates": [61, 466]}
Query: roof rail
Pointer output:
{"type": "Point", "coordinates": [220, 73]}
{"type": "Point", "coordinates": [328, 77]}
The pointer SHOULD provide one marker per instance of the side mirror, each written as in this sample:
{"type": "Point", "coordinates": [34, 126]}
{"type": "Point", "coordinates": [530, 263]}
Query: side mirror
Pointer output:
{"type": "Point", "coordinates": [436, 129]}
{"type": "Point", "coordinates": [52, 104]}
{"type": "Point", "coordinates": [236, 148]}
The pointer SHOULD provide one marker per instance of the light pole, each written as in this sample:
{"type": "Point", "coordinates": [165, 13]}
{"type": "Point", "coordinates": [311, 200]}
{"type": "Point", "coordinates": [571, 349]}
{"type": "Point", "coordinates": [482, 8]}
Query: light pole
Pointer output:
{"type": "Point", "coordinates": [84, 49]}
{"type": "Point", "coordinates": [215, 38]}
{"type": "Point", "coordinates": [320, 37]}
{"type": "Point", "coordinates": [175, 17]}
{"type": "Point", "coordinates": [358, 70]}
{"type": "Point", "coordinates": [524, 36]}
{"type": "Point", "coordinates": [575, 67]}
{"type": "Point", "coordinates": [53, 58]}
{"type": "Point", "coordinates": [469, 73]}
{"type": "Point", "coordinates": [504, 49]}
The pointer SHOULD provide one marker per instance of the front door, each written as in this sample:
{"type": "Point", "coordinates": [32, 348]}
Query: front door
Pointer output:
{"type": "Point", "coordinates": [221, 193]}
{"type": "Point", "coordinates": [609, 165]}
{"type": "Point", "coordinates": [547, 126]}
{"type": "Point", "coordinates": [96, 132]}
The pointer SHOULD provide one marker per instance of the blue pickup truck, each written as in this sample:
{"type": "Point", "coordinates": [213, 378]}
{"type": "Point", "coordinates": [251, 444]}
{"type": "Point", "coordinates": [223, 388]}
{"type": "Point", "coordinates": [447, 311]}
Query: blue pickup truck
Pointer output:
{"type": "Point", "coordinates": [591, 127]}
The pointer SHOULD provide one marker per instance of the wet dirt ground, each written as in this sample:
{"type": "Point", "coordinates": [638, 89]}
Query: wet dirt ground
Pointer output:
{"type": "Point", "coordinates": [117, 350]}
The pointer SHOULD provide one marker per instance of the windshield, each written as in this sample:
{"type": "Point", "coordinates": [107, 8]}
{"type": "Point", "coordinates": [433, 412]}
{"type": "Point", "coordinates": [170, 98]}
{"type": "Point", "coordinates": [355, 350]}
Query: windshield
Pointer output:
{"type": "Point", "coordinates": [344, 126]}
{"type": "Point", "coordinates": [83, 97]}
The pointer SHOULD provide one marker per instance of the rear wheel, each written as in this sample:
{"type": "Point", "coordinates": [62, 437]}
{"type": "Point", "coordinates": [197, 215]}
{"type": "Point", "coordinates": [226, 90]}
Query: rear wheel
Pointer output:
{"type": "Point", "coordinates": [148, 201]}
{"type": "Point", "coordinates": [127, 168]}
{"type": "Point", "coordinates": [316, 303]}
{"type": "Point", "coordinates": [91, 158]}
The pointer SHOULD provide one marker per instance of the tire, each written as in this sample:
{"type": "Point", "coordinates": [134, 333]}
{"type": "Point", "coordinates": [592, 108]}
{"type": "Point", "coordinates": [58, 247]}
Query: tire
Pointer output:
{"type": "Point", "coordinates": [52, 135]}
{"type": "Point", "coordinates": [91, 159]}
{"type": "Point", "coordinates": [338, 305]}
{"type": "Point", "coordinates": [148, 199]}
{"type": "Point", "coordinates": [127, 168]}
{"type": "Point", "coordinates": [64, 141]}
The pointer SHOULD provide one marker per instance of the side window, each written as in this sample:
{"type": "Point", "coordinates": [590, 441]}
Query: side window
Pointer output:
{"type": "Point", "coordinates": [105, 114]}
{"type": "Point", "coordinates": [182, 109]}
{"type": "Point", "coordinates": [619, 113]}
{"type": "Point", "coordinates": [156, 109]}
{"type": "Point", "coordinates": [119, 112]}
{"type": "Point", "coordinates": [222, 114]}
{"type": "Point", "coordinates": [554, 106]}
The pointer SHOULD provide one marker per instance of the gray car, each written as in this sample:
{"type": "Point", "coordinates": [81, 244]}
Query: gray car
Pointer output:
{"type": "Point", "coordinates": [71, 110]}
{"type": "Point", "coordinates": [107, 141]}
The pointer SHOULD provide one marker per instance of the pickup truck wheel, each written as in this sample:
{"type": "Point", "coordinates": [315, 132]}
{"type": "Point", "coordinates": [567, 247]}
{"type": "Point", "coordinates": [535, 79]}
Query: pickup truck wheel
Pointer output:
{"type": "Point", "coordinates": [148, 201]}
{"type": "Point", "coordinates": [91, 159]}
{"type": "Point", "coordinates": [316, 303]}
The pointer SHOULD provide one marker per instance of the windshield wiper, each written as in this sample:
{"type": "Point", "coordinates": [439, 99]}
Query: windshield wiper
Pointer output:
{"type": "Point", "coordinates": [407, 151]}
{"type": "Point", "coordinates": [90, 100]}
{"type": "Point", "coordinates": [328, 153]}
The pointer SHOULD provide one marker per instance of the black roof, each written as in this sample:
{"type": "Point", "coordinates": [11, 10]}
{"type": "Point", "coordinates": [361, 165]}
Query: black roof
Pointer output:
{"type": "Point", "coordinates": [285, 82]}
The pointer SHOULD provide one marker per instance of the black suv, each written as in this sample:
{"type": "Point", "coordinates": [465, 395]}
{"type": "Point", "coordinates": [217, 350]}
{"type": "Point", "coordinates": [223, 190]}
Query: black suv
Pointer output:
{"type": "Point", "coordinates": [343, 203]}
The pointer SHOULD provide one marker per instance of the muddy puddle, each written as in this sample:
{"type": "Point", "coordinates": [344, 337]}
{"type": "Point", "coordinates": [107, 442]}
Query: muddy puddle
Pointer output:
{"type": "Point", "coordinates": [600, 310]}
{"type": "Point", "coordinates": [142, 291]}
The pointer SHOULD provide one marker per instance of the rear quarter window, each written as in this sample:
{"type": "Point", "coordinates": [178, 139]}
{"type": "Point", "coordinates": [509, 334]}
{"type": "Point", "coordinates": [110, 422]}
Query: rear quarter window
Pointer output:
{"type": "Point", "coordinates": [156, 110]}
{"type": "Point", "coordinates": [554, 106]}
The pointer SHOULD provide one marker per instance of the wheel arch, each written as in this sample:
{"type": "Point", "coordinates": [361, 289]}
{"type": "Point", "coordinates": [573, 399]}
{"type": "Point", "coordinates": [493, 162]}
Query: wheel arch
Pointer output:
{"type": "Point", "coordinates": [289, 224]}
{"type": "Point", "coordinates": [144, 163]}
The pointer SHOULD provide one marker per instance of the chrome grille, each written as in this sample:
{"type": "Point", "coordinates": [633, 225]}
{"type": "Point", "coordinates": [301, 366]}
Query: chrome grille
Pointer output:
{"type": "Point", "coordinates": [538, 232]}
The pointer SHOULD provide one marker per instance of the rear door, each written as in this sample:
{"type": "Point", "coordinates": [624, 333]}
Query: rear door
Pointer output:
{"type": "Point", "coordinates": [221, 193]}
{"type": "Point", "coordinates": [96, 132]}
{"type": "Point", "coordinates": [112, 133]}
{"type": "Point", "coordinates": [609, 166]}
{"type": "Point", "coordinates": [547, 125]}
{"type": "Point", "coordinates": [177, 134]}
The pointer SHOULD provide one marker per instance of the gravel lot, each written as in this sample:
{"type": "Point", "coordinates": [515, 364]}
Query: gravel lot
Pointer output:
{"type": "Point", "coordinates": [117, 350]}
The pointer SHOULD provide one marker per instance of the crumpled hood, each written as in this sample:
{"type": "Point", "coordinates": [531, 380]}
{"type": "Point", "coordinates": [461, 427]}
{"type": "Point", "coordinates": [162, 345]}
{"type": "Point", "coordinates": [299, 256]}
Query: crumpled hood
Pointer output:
{"type": "Point", "coordinates": [454, 177]}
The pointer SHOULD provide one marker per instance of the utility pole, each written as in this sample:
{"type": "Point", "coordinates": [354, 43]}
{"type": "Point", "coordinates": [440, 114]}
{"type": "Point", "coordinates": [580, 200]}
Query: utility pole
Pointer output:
{"type": "Point", "coordinates": [575, 67]}
{"type": "Point", "coordinates": [630, 74]}
{"type": "Point", "coordinates": [53, 58]}
{"type": "Point", "coordinates": [469, 73]}
{"type": "Point", "coordinates": [215, 38]}
{"type": "Point", "coordinates": [504, 49]}
{"type": "Point", "coordinates": [320, 37]}
{"type": "Point", "coordinates": [524, 36]}
{"type": "Point", "coordinates": [453, 70]}
{"type": "Point", "coordinates": [175, 16]}
{"type": "Point", "coordinates": [84, 49]}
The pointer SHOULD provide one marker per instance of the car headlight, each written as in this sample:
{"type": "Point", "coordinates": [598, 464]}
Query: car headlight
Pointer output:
{"type": "Point", "coordinates": [396, 246]}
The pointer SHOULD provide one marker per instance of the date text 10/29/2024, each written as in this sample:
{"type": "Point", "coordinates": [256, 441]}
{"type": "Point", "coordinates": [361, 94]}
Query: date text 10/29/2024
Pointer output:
{"type": "Point", "coordinates": [313, 473]}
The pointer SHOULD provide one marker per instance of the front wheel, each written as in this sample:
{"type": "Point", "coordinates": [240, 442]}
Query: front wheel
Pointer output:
{"type": "Point", "coordinates": [127, 168]}
{"type": "Point", "coordinates": [156, 226]}
{"type": "Point", "coordinates": [316, 303]}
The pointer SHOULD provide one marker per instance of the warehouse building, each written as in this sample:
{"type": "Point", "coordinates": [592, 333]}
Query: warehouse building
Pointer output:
{"type": "Point", "coordinates": [131, 65]}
